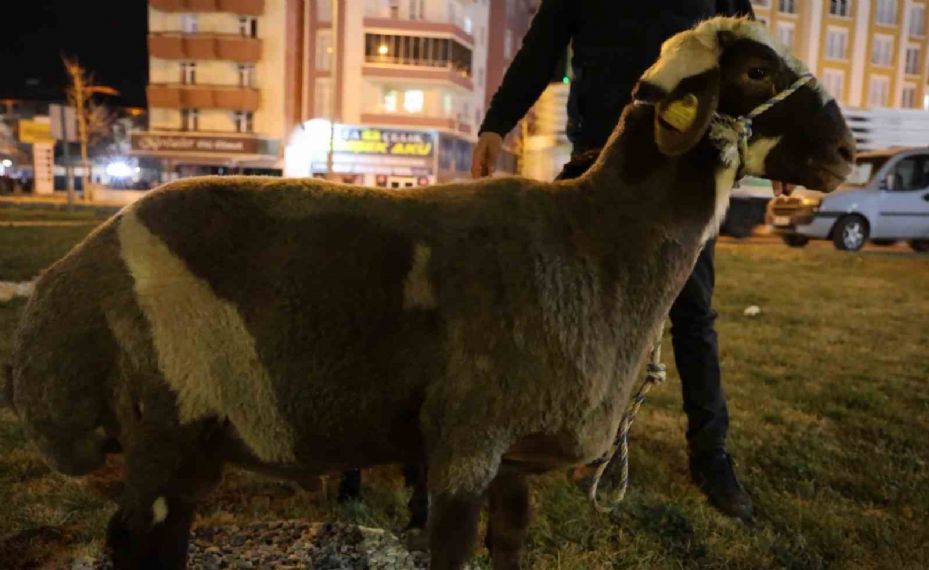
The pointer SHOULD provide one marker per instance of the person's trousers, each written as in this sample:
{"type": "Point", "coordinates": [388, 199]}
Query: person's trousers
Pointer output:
{"type": "Point", "coordinates": [696, 353]}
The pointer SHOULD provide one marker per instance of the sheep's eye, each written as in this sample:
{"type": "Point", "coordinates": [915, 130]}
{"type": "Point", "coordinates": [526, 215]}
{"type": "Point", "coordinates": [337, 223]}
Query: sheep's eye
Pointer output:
{"type": "Point", "coordinates": [757, 73]}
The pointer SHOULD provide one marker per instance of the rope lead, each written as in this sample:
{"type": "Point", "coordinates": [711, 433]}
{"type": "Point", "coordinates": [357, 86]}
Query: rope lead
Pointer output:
{"type": "Point", "coordinates": [655, 374]}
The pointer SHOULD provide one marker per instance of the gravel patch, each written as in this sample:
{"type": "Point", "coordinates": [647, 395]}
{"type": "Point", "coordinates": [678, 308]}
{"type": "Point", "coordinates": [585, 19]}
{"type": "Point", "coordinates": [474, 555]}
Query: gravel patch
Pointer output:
{"type": "Point", "coordinates": [292, 545]}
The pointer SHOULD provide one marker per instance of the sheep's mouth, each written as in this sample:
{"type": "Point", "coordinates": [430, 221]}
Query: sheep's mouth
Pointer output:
{"type": "Point", "coordinates": [830, 176]}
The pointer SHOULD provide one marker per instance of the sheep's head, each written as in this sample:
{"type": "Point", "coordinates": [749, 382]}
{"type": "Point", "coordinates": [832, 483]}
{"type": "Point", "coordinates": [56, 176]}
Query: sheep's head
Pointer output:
{"type": "Point", "coordinates": [725, 68]}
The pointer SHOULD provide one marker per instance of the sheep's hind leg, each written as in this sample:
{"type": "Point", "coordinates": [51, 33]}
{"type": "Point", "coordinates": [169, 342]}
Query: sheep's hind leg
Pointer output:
{"type": "Point", "coordinates": [453, 529]}
{"type": "Point", "coordinates": [509, 518]}
{"type": "Point", "coordinates": [166, 474]}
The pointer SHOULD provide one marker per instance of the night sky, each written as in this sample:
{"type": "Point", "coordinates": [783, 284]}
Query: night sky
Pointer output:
{"type": "Point", "coordinates": [107, 36]}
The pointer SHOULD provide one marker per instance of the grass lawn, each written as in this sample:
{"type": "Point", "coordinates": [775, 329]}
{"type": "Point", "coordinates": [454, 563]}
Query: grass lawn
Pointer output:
{"type": "Point", "coordinates": [829, 397]}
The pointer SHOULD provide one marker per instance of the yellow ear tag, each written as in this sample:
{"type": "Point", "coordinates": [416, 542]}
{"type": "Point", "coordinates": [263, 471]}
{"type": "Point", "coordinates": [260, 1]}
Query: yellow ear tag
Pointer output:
{"type": "Point", "coordinates": [681, 113]}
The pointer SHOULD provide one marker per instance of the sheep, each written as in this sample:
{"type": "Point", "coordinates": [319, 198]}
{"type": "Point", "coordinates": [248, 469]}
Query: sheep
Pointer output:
{"type": "Point", "coordinates": [489, 329]}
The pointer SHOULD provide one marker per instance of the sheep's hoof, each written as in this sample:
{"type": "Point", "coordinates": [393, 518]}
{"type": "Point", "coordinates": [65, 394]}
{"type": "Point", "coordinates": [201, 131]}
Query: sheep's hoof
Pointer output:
{"type": "Point", "coordinates": [416, 540]}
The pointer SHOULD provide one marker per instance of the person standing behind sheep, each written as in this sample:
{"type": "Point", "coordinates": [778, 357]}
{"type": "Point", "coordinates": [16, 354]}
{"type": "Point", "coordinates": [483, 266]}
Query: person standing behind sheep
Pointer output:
{"type": "Point", "coordinates": [613, 43]}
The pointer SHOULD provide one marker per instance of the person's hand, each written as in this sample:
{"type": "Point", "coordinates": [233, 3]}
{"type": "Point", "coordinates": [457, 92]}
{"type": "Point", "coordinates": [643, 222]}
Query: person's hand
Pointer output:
{"type": "Point", "coordinates": [782, 188]}
{"type": "Point", "coordinates": [486, 151]}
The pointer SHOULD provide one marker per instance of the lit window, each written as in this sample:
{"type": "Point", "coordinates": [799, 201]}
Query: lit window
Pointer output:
{"type": "Point", "coordinates": [323, 50]}
{"type": "Point", "coordinates": [413, 101]}
{"type": "Point", "coordinates": [390, 101]}
{"type": "Point", "coordinates": [448, 104]}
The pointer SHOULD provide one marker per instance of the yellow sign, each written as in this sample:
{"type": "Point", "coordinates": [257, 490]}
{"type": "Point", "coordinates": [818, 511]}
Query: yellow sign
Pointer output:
{"type": "Point", "coordinates": [35, 132]}
{"type": "Point", "coordinates": [391, 142]}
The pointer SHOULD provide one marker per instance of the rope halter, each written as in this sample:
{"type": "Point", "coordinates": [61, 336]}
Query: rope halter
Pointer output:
{"type": "Point", "coordinates": [724, 126]}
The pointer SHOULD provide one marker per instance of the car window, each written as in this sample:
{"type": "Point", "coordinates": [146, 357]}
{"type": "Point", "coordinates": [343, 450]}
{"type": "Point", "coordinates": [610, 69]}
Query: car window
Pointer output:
{"type": "Point", "coordinates": [911, 173]}
{"type": "Point", "coordinates": [865, 168]}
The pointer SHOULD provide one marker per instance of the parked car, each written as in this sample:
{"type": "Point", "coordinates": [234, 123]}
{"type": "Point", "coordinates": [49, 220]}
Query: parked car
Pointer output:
{"type": "Point", "coordinates": [886, 199]}
{"type": "Point", "coordinates": [746, 207]}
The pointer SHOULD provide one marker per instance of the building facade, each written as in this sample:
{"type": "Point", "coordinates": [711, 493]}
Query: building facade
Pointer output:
{"type": "Point", "coordinates": [867, 53]}
{"type": "Point", "coordinates": [395, 89]}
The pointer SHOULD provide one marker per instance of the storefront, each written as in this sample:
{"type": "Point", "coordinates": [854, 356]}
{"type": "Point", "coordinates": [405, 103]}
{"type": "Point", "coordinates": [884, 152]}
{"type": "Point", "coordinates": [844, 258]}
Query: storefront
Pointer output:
{"type": "Point", "coordinates": [377, 156]}
{"type": "Point", "coordinates": [184, 154]}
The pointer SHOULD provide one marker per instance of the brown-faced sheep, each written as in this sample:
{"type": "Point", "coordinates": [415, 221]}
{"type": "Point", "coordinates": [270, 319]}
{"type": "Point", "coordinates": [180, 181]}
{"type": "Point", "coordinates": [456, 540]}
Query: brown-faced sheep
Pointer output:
{"type": "Point", "coordinates": [487, 329]}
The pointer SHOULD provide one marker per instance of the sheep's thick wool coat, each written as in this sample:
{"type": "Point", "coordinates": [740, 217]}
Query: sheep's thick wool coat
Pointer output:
{"type": "Point", "coordinates": [307, 315]}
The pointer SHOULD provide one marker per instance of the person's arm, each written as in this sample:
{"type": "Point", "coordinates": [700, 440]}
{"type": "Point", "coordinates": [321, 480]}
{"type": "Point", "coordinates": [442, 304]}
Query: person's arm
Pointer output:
{"type": "Point", "coordinates": [525, 79]}
{"type": "Point", "coordinates": [735, 8]}
{"type": "Point", "coordinates": [531, 69]}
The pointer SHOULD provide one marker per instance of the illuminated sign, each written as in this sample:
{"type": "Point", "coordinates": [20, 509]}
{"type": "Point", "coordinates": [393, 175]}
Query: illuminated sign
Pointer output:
{"type": "Point", "coordinates": [158, 143]}
{"type": "Point", "coordinates": [383, 142]}
{"type": "Point", "coordinates": [35, 132]}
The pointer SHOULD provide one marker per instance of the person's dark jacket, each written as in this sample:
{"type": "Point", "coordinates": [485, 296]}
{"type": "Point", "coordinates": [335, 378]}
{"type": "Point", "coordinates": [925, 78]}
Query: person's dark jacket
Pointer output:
{"type": "Point", "coordinates": [613, 41]}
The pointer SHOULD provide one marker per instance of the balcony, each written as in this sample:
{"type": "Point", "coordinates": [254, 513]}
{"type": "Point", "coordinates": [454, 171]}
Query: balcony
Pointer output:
{"type": "Point", "coordinates": [446, 74]}
{"type": "Point", "coordinates": [416, 121]}
{"type": "Point", "coordinates": [177, 96]}
{"type": "Point", "coordinates": [419, 27]}
{"type": "Point", "coordinates": [232, 47]}
{"type": "Point", "coordinates": [241, 7]}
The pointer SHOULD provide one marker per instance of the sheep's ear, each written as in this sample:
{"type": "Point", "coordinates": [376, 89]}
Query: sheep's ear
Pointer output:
{"type": "Point", "coordinates": [682, 118]}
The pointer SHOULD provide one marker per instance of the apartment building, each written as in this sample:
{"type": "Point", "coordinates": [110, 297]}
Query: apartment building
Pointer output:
{"type": "Point", "coordinates": [396, 89]}
{"type": "Point", "coordinates": [867, 53]}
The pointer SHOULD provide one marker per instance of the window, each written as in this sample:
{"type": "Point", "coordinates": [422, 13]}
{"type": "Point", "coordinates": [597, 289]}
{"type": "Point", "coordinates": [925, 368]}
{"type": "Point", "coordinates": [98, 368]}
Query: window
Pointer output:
{"type": "Point", "coordinates": [834, 82]}
{"type": "Point", "coordinates": [787, 6]}
{"type": "Point", "coordinates": [390, 101]}
{"type": "Point", "coordinates": [189, 24]}
{"type": "Point", "coordinates": [878, 91]}
{"type": "Point", "coordinates": [912, 60]}
{"type": "Point", "coordinates": [836, 43]}
{"type": "Point", "coordinates": [841, 8]}
{"type": "Point", "coordinates": [415, 13]}
{"type": "Point", "coordinates": [761, 3]}
{"type": "Point", "coordinates": [882, 48]}
{"type": "Point", "coordinates": [886, 12]}
{"type": "Point", "coordinates": [415, 50]}
{"type": "Point", "coordinates": [468, 25]}
{"type": "Point", "coordinates": [322, 98]}
{"type": "Point", "coordinates": [244, 121]}
{"type": "Point", "coordinates": [910, 174]}
{"type": "Point", "coordinates": [190, 119]}
{"type": "Point", "coordinates": [448, 104]}
{"type": "Point", "coordinates": [324, 50]}
{"type": "Point", "coordinates": [246, 74]}
{"type": "Point", "coordinates": [785, 33]}
{"type": "Point", "coordinates": [413, 100]}
{"type": "Point", "coordinates": [918, 20]}
{"type": "Point", "coordinates": [508, 45]}
{"type": "Point", "coordinates": [188, 72]}
{"type": "Point", "coordinates": [248, 26]}
{"type": "Point", "coordinates": [324, 11]}
{"type": "Point", "coordinates": [908, 97]}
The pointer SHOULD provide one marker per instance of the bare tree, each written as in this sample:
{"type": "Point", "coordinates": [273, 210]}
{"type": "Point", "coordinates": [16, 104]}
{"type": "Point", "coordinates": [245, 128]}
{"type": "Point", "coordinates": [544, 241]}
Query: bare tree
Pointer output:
{"type": "Point", "coordinates": [93, 119]}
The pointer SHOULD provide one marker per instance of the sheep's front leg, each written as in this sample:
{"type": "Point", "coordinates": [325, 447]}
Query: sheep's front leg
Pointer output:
{"type": "Point", "coordinates": [166, 474]}
{"type": "Point", "coordinates": [453, 520]}
{"type": "Point", "coordinates": [509, 518]}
